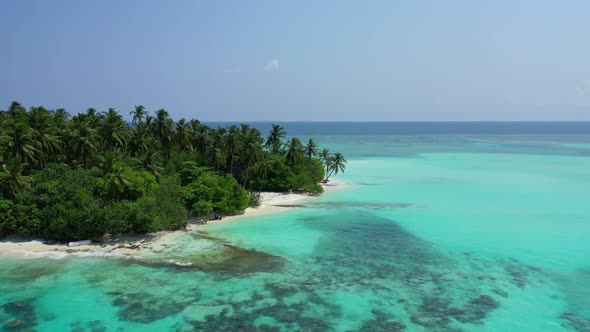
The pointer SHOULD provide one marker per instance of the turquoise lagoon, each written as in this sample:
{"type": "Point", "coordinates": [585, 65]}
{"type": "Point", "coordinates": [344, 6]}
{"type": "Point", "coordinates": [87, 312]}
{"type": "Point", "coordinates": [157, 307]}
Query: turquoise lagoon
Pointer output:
{"type": "Point", "coordinates": [426, 233]}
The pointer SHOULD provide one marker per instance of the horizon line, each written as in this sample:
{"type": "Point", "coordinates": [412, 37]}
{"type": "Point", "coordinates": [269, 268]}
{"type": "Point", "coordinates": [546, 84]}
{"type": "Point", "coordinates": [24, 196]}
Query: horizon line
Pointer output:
{"type": "Point", "coordinates": [398, 121]}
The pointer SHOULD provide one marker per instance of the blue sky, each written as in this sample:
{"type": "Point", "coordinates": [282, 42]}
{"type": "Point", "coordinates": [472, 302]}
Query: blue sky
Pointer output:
{"type": "Point", "coordinates": [303, 60]}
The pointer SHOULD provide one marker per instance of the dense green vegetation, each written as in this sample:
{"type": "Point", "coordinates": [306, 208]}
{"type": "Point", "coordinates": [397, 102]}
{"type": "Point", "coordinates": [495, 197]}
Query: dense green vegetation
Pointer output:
{"type": "Point", "coordinates": [76, 177]}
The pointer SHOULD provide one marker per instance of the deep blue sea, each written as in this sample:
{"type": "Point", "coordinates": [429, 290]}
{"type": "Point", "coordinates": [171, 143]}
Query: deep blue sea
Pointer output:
{"type": "Point", "coordinates": [420, 128]}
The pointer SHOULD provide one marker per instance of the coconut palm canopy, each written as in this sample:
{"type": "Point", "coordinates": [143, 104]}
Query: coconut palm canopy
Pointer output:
{"type": "Point", "coordinates": [107, 172]}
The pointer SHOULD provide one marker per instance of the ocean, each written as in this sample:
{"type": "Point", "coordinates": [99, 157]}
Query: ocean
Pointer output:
{"type": "Point", "coordinates": [437, 227]}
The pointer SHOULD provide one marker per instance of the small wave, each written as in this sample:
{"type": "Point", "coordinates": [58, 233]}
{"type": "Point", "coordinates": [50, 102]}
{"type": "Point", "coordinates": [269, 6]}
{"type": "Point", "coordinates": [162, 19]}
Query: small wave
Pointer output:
{"type": "Point", "coordinates": [57, 255]}
{"type": "Point", "coordinates": [178, 262]}
{"type": "Point", "coordinates": [105, 254]}
{"type": "Point", "coordinates": [51, 254]}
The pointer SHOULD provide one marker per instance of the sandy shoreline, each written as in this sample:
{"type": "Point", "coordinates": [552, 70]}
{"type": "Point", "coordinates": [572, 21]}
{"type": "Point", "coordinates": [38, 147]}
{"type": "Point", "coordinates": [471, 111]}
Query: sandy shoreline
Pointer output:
{"type": "Point", "coordinates": [139, 245]}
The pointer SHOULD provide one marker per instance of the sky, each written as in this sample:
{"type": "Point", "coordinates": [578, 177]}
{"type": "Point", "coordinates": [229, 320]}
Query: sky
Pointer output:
{"type": "Point", "coordinates": [302, 60]}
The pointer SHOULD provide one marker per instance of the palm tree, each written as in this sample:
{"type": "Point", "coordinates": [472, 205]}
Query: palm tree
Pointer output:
{"type": "Point", "coordinates": [45, 133]}
{"type": "Point", "coordinates": [182, 136]}
{"type": "Point", "coordinates": [113, 131]}
{"type": "Point", "coordinates": [250, 149]}
{"type": "Point", "coordinates": [150, 163]}
{"type": "Point", "coordinates": [233, 140]}
{"type": "Point", "coordinates": [139, 141]}
{"type": "Point", "coordinates": [18, 140]}
{"type": "Point", "coordinates": [115, 182]}
{"type": "Point", "coordinates": [311, 149]}
{"type": "Point", "coordinates": [93, 118]}
{"type": "Point", "coordinates": [294, 151]}
{"type": "Point", "coordinates": [149, 122]}
{"type": "Point", "coordinates": [107, 162]}
{"type": "Point", "coordinates": [163, 128]}
{"type": "Point", "coordinates": [139, 115]}
{"type": "Point", "coordinates": [216, 150]}
{"type": "Point", "coordinates": [219, 156]}
{"type": "Point", "coordinates": [12, 181]}
{"type": "Point", "coordinates": [337, 163]}
{"type": "Point", "coordinates": [16, 110]}
{"type": "Point", "coordinates": [325, 158]}
{"type": "Point", "coordinates": [194, 124]}
{"type": "Point", "coordinates": [83, 140]}
{"type": "Point", "coordinates": [274, 141]}
{"type": "Point", "coordinates": [60, 120]}
{"type": "Point", "coordinates": [202, 140]}
{"type": "Point", "coordinates": [264, 166]}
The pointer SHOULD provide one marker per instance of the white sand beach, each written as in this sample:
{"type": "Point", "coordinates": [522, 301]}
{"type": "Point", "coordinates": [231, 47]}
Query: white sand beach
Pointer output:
{"type": "Point", "coordinates": [134, 245]}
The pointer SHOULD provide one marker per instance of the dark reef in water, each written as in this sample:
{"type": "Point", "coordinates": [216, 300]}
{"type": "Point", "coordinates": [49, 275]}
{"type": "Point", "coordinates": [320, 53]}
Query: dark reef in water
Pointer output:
{"type": "Point", "coordinates": [436, 312]}
{"type": "Point", "coordinates": [229, 260]}
{"type": "Point", "coordinates": [382, 322]}
{"type": "Point", "coordinates": [144, 307]}
{"type": "Point", "coordinates": [371, 254]}
{"type": "Point", "coordinates": [406, 282]}
{"type": "Point", "coordinates": [578, 323]}
{"type": "Point", "coordinates": [91, 326]}
{"type": "Point", "coordinates": [26, 273]}
{"type": "Point", "coordinates": [380, 256]}
{"type": "Point", "coordinates": [202, 235]}
{"type": "Point", "coordinates": [292, 315]}
{"type": "Point", "coordinates": [236, 260]}
{"type": "Point", "coordinates": [222, 322]}
{"type": "Point", "coordinates": [22, 316]}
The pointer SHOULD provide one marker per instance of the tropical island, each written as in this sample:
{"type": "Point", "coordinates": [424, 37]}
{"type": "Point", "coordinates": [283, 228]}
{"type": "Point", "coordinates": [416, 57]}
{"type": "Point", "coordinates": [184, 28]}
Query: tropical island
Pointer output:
{"type": "Point", "coordinates": [94, 175]}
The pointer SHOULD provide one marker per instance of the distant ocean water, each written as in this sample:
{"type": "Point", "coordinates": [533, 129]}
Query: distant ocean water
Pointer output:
{"type": "Point", "coordinates": [421, 128]}
{"type": "Point", "coordinates": [442, 227]}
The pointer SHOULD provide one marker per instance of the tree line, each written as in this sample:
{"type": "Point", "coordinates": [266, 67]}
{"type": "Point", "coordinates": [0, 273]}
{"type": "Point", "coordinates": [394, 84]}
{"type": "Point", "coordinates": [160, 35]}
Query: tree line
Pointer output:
{"type": "Point", "coordinates": [83, 176]}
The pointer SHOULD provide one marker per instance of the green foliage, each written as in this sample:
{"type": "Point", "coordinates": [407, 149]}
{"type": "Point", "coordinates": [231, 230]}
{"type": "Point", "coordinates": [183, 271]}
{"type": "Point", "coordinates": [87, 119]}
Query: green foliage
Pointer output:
{"type": "Point", "coordinates": [274, 142]}
{"type": "Point", "coordinates": [215, 193]}
{"type": "Point", "coordinates": [294, 152]}
{"type": "Point", "coordinates": [334, 164]}
{"type": "Point", "coordinates": [254, 198]}
{"type": "Point", "coordinates": [76, 177]}
{"type": "Point", "coordinates": [27, 220]}
{"type": "Point", "coordinates": [158, 210]}
{"type": "Point", "coordinates": [12, 181]}
{"type": "Point", "coordinates": [190, 171]}
{"type": "Point", "coordinates": [7, 219]}
{"type": "Point", "coordinates": [272, 174]}
{"type": "Point", "coordinates": [202, 207]}
{"type": "Point", "coordinates": [141, 183]}
{"type": "Point", "coordinates": [60, 204]}
{"type": "Point", "coordinates": [118, 218]}
{"type": "Point", "coordinates": [308, 172]}
{"type": "Point", "coordinates": [230, 197]}
{"type": "Point", "coordinates": [168, 210]}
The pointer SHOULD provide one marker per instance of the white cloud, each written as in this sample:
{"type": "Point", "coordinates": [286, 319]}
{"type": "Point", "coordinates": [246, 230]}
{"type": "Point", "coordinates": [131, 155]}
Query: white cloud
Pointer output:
{"type": "Point", "coordinates": [272, 66]}
{"type": "Point", "coordinates": [584, 89]}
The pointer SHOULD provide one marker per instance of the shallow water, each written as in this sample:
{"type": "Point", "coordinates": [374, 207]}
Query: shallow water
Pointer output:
{"type": "Point", "coordinates": [434, 233]}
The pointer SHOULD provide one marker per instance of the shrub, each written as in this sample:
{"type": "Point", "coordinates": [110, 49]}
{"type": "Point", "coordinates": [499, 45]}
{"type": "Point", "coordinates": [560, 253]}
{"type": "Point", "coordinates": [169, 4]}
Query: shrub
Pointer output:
{"type": "Point", "coordinates": [278, 178]}
{"type": "Point", "coordinates": [7, 220]}
{"type": "Point", "coordinates": [214, 193]}
{"type": "Point", "coordinates": [60, 204]}
{"type": "Point", "coordinates": [202, 207]}
{"type": "Point", "coordinates": [254, 198]}
{"type": "Point", "coordinates": [313, 188]}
